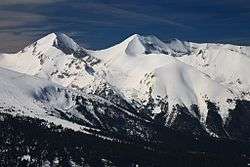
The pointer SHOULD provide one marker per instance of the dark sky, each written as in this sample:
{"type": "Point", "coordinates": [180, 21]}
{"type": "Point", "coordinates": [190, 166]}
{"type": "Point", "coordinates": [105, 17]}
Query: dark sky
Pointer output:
{"type": "Point", "coordinates": [99, 24]}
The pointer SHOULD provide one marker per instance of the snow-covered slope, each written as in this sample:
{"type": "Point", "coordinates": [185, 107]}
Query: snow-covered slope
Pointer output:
{"type": "Point", "coordinates": [134, 74]}
{"type": "Point", "coordinates": [24, 95]}
{"type": "Point", "coordinates": [227, 64]}
{"type": "Point", "coordinates": [177, 83]}
{"type": "Point", "coordinates": [30, 96]}
{"type": "Point", "coordinates": [55, 57]}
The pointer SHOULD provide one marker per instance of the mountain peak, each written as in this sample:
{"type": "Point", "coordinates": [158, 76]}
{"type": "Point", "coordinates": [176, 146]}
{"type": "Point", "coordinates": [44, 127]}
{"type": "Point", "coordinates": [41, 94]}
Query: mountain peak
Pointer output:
{"type": "Point", "coordinates": [47, 40]}
{"type": "Point", "coordinates": [134, 37]}
{"type": "Point", "coordinates": [143, 39]}
{"type": "Point", "coordinates": [137, 44]}
{"type": "Point", "coordinates": [65, 43]}
{"type": "Point", "coordinates": [58, 40]}
{"type": "Point", "coordinates": [62, 41]}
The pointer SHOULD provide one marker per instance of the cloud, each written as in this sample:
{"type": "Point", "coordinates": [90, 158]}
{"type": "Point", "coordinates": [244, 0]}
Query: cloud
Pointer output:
{"type": "Point", "coordinates": [13, 19]}
{"type": "Point", "coordinates": [12, 42]}
{"type": "Point", "coordinates": [15, 2]}
{"type": "Point", "coordinates": [129, 14]}
{"type": "Point", "coordinates": [102, 22]}
{"type": "Point", "coordinates": [11, 24]}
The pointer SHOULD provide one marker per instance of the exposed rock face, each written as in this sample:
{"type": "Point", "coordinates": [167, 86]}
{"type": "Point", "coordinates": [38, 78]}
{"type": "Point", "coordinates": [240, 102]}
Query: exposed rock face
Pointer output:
{"type": "Point", "coordinates": [199, 88]}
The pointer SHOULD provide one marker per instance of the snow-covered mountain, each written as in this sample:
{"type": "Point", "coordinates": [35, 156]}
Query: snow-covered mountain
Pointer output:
{"type": "Point", "coordinates": [226, 64]}
{"type": "Point", "coordinates": [29, 96]}
{"type": "Point", "coordinates": [179, 84]}
{"type": "Point", "coordinates": [55, 57]}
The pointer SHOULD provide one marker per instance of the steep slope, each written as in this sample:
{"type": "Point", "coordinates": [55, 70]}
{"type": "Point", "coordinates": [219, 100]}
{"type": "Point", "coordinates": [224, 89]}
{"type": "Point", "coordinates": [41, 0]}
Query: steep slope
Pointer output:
{"type": "Point", "coordinates": [137, 44]}
{"type": "Point", "coordinates": [179, 84]}
{"type": "Point", "coordinates": [227, 64]}
{"type": "Point", "coordinates": [55, 57]}
{"type": "Point", "coordinates": [161, 82]}
{"type": "Point", "coordinates": [188, 86]}
{"type": "Point", "coordinates": [23, 95]}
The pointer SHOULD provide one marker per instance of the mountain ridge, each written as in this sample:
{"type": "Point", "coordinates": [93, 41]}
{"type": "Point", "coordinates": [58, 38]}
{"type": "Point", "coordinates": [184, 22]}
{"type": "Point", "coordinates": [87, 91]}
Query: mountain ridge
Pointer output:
{"type": "Point", "coordinates": [176, 83]}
